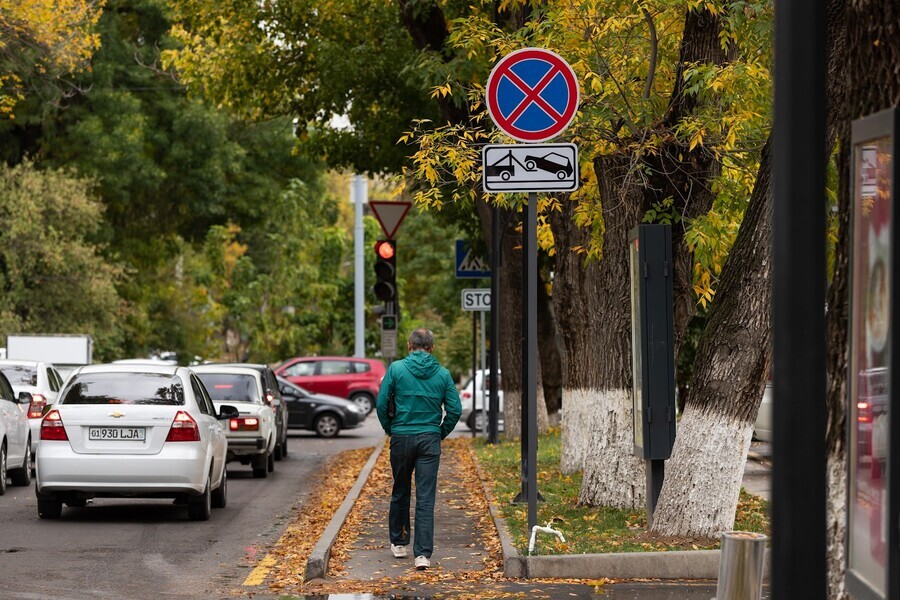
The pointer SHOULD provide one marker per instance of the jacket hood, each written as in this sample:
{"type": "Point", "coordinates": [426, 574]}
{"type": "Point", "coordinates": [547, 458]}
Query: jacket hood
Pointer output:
{"type": "Point", "coordinates": [421, 364]}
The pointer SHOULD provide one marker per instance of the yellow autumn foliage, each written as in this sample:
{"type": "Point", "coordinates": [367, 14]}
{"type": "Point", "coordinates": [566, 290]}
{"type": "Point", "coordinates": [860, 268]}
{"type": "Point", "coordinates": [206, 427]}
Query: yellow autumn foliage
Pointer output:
{"type": "Point", "coordinates": [47, 38]}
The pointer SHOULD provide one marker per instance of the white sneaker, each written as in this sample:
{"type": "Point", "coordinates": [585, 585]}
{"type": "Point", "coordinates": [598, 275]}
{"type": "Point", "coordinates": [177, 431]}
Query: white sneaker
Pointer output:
{"type": "Point", "coordinates": [422, 563]}
{"type": "Point", "coordinates": [399, 551]}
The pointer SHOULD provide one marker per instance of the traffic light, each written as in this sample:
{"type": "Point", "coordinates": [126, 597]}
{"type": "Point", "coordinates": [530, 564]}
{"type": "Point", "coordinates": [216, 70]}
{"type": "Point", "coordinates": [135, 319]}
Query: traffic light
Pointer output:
{"type": "Point", "coordinates": [386, 270]}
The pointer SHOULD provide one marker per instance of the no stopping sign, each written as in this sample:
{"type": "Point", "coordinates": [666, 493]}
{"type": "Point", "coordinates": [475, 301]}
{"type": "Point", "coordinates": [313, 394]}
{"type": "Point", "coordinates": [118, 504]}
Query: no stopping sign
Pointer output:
{"type": "Point", "coordinates": [532, 95]}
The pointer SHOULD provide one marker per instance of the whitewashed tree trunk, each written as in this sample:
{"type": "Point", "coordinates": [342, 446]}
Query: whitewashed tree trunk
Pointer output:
{"type": "Point", "coordinates": [703, 477]}
{"type": "Point", "coordinates": [592, 298]}
{"type": "Point", "coordinates": [512, 407]}
{"type": "Point", "coordinates": [543, 417]}
{"type": "Point", "coordinates": [704, 473]}
{"type": "Point", "coordinates": [512, 412]}
{"type": "Point", "coordinates": [613, 475]}
{"type": "Point", "coordinates": [576, 432]}
{"type": "Point", "coordinates": [836, 514]}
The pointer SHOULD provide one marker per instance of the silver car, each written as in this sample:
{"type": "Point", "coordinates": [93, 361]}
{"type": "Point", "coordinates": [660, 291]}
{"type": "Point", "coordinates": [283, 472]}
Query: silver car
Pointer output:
{"type": "Point", "coordinates": [132, 431]}
{"type": "Point", "coordinates": [252, 435]}
{"type": "Point", "coordinates": [42, 381]}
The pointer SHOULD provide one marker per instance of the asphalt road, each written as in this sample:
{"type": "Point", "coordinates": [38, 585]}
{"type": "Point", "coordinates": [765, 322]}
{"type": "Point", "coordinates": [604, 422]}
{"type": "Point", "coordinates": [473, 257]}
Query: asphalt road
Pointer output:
{"type": "Point", "coordinates": [122, 548]}
{"type": "Point", "coordinates": [149, 549]}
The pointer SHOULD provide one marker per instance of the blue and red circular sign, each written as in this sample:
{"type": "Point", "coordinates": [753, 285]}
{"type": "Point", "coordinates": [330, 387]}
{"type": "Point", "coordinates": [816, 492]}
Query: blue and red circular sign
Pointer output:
{"type": "Point", "coordinates": [532, 95]}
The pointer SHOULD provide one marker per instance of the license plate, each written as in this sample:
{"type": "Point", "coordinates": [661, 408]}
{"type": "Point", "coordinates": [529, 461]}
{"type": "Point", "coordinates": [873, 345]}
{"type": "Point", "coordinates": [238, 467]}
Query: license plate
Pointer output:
{"type": "Point", "coordinates": [117, 433]}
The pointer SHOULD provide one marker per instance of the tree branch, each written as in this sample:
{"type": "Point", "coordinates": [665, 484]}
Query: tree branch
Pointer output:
{"type": "Point", "coordinates": [654, 50]}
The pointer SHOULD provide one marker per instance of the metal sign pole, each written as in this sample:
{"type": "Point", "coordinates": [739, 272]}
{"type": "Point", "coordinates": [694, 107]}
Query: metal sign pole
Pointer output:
{"type": "Point", "coordinates": [474, 370]}
{"type": "Point", "coordinates": [529, 360]}
{"type": "Point", "coordinates": [530, 168]}
{"type": "Point", "coordinates": [523, 366]}
{"type": "Point", "coordinates": [484, 391]}
{"type": "Point", "coordinates": [495, 325]}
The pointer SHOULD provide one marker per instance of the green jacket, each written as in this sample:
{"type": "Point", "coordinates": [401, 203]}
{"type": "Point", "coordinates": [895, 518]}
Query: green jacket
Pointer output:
{"type": "Point", "coordinates": [424, 391]}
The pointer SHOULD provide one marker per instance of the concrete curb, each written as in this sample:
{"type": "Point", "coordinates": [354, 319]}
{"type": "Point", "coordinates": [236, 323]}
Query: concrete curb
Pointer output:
{"type": "Point", "coordinates": [317, 565]}
{"type": "Point", "coordinates": [675, 564]}
{"type": "Point", "coordinates": [690, 564]}
{"type": "Point", "coordinates": [513, 563]}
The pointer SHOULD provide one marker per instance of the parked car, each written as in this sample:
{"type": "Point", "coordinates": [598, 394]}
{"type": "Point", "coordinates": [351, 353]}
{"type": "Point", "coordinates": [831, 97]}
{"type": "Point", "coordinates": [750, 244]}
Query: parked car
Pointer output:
{"type": "Point", "coordinates": [42, 381]}
{"type": "Point", "coordinates": [272, 397]}
{"type": "Point", "coordinates": [355, 379]}
{"type": "Point", "coordinates": [324, 414]}
{"type": "Point", "coordinates": [871, 411]}
{"type": "Point", "coordinates": [251, 434]}
{"type": "Point", "coordinates": [762, 429]}
{"type": "Point", "coordinates": [474, 417]}
{"type": "Point", "coordinates": [123, 431]}
{"type": "Point", "coordinates": [15, 437]}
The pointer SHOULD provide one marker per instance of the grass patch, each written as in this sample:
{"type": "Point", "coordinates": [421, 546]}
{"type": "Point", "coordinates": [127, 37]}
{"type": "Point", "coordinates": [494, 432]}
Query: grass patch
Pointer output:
{"type": "Point", "coordinates": [587, 529]}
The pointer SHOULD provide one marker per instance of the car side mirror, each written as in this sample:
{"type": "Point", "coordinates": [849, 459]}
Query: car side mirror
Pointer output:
{"type": "Point", "coordinates": [25, 398]}
{"type": "Point", "coordinates": [226, 411]}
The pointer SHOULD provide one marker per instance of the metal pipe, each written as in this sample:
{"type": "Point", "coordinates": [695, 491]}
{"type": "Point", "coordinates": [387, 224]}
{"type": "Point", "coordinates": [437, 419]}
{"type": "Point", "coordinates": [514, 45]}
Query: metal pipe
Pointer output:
{"type": "Point", "coordinates": [358, 193]}
{"type": "Point", "coordinates": [741, 564]}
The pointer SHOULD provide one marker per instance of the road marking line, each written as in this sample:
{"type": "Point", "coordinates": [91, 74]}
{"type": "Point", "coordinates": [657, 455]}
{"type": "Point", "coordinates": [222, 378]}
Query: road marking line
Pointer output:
{"type": "Point", "coordinates": [259, 574]}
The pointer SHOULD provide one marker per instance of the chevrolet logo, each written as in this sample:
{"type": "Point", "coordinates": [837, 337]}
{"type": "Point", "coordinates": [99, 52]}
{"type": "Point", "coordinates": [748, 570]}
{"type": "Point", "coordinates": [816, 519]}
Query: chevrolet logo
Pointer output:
{"type": "Point", "coordinates": [117, 414]}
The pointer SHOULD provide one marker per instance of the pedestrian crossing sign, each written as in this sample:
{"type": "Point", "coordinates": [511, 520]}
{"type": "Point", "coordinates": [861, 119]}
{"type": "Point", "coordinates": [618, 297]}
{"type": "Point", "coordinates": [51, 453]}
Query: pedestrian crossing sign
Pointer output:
{"type": "Point", "coordinates": [470, 264]}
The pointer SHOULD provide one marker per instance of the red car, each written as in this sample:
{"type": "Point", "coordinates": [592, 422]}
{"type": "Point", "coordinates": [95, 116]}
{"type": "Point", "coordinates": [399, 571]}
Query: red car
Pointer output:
{"type": "Point", "coordinates": [357, 379]}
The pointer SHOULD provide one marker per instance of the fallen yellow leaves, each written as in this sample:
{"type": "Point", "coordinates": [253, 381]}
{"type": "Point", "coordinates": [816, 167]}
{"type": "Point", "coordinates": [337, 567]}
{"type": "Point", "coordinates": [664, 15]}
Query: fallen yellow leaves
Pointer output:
{"type": "Point", "coordinates": [293, 549]}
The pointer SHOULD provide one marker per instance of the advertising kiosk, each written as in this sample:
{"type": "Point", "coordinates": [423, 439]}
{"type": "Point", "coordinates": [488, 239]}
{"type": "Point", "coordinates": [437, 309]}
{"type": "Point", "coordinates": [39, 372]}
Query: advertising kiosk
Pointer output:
{"type": "Point", "coordinates": [873, 418]}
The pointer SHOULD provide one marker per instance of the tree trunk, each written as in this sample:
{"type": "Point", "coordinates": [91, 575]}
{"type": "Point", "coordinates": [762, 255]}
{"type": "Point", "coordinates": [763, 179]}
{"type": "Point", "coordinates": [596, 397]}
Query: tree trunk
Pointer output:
{"type": "Point", "coordinates": [511, 332]}
{"type": "Point", "coordinates": [427, 27]}
{"type": "Point", "coordinates": [597, 420]}
{"type": "Point", "coordinates": [837, 317]}
{"type": "Point", "coordinates": [864, 38]}
{"type": "Point", "coordinates": [551, 355]}
{"type": "Point", "coordinates": [733, 355]}
{"type": "Point", "coordinates": [703, 479]}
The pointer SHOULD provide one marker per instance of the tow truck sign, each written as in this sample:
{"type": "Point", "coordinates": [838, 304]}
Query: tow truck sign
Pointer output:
{"type": "Point", "coordinates": [530, 168]}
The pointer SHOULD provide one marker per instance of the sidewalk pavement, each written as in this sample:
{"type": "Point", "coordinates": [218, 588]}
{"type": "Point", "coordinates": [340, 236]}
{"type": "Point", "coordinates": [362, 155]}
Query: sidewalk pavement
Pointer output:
{"type": "Point", "coordinates": [461, 553]}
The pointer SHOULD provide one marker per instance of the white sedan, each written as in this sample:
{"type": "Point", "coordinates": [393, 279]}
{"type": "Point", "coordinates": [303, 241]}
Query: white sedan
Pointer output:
{"type": "Point", "coordinates": [42, 381]}
{"type": "Point", "coordinates": [475, 418]}
{"type": "Point", "coordinates": [122, 431]}
{"type": "Point", "coordinates": [15, 438]}
{"type": "Point", "coordinates": [252, 434]}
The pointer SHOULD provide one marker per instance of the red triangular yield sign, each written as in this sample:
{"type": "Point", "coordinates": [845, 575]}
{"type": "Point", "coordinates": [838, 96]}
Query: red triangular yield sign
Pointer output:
{"type": "Point", "coordinates": [389, 215]}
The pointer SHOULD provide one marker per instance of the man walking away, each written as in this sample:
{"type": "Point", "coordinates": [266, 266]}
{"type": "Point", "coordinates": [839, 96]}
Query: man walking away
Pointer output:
{"type": "Point", "coordinates": [423, 392]}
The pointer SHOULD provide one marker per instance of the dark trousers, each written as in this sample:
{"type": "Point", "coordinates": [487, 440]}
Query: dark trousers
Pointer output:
{"type": "Point", "coordinates": [420, 453]}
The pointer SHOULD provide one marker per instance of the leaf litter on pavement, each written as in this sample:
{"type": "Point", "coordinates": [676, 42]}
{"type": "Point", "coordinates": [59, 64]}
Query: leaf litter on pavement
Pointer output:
{"type": "Point", "coordinates": [293, 549]}
{"type": "Point", "coordinates": [476, 480]}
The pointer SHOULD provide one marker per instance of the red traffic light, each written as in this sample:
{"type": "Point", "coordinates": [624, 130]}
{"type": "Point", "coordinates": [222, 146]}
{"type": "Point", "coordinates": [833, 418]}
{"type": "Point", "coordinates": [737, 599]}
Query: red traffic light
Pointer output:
{"type": "Point", "coordinates": [384, 249]}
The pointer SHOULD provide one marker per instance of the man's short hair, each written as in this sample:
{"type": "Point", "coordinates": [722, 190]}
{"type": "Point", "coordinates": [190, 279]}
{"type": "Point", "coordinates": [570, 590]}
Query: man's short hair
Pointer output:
{"type": "Point", "coordinates": [421, 339]}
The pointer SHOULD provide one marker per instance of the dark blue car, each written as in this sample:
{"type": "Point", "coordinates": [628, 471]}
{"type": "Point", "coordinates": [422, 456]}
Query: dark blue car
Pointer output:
{"type": "Point", "coordinates": [324, 414]}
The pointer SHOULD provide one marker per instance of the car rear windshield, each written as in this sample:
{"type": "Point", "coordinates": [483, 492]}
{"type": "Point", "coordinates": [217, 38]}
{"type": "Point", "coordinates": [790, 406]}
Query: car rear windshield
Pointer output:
{"type": "Point", "coordinates": [223, 387]}
{"type": "Point", "coordinates": [124, 388]}
{"type": "Point", "coordinates": [20, 374]}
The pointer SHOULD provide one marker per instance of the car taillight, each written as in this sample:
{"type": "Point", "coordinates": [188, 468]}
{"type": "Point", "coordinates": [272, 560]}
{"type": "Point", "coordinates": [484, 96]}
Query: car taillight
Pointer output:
{"type": "Point", "coordinates": [184, 429]}
{"type": "Point", "coordinates": [244, 424]}
{"type": "Point", "coordinates": [36, 408]}
{"type": "Point", "coordinates": [466, 395]}
{"type": "Point", "coordinates": [863, 412]}
{"type": "Point", "coordinates": [52, 428]}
